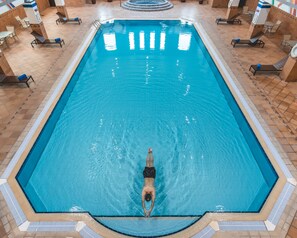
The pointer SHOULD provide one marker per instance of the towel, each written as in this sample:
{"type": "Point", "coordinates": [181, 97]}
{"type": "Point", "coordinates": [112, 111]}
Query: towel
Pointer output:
{"type": "Point", "coordinates": [58, 40]}
{"type": "Point", "coordinates": [22, 77]}
{"type": "Point", "coordinates": [259, 66]}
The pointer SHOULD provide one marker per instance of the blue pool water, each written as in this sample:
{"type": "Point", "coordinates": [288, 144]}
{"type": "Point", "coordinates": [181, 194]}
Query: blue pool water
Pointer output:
{"type": "Point", "coordinates": [147, 84]}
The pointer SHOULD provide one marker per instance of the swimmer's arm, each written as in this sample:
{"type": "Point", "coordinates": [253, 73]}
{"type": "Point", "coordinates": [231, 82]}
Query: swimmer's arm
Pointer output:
{"type": "Point", "coordinates": [148, 213]}
{"type": "Point", "coordinates": [143, 205]}
{"type": "Point", "coordinates": [142, 198]}
{"type": "Point", "coordinates": [153, 202]}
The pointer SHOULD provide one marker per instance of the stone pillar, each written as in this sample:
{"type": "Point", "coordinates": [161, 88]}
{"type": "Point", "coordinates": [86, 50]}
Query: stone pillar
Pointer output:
{"type": "Point", "coordinates": [259, 18]}
{"type": "Point", "coordinates": [35, 20]}
{"type": "Point", "coordinates": [255, 29]}
{"type": "Point", "coordinates": [289, 72]}
{"type": "Point", "coordinates": [39, 28]}
{"type": "Point", "coordinates": [4, 66]}
{"type": "Point", "coordinates": [60, 5]}
{"type": "Point", "coordinates": [233, 9]}
{"type": "Point", "coordinates": [231, 12]}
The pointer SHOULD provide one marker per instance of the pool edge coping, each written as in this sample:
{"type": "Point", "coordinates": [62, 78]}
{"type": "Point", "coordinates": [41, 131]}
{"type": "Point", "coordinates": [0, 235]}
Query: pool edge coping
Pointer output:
{"type": "Point", "coordinates": [279, 204]}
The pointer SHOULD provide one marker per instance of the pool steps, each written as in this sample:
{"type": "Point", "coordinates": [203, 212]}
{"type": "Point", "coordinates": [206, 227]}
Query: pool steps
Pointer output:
{"type": "Point", "coordinates": [147, 5]}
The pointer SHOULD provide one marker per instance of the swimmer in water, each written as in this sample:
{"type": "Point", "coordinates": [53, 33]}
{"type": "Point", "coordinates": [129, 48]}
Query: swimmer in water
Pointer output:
{"type": "Point", "coordinates": [149, 191]}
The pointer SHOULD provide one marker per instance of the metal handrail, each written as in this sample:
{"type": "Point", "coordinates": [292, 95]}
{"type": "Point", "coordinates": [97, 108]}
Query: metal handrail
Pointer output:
{"type": "Point", "coordinates": [96, 23]}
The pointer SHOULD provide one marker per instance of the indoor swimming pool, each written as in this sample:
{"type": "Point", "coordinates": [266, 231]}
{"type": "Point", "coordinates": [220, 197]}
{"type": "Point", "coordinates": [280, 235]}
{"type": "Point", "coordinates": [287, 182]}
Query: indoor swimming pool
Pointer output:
{"type": "Point", "coordinates": [147, 84]}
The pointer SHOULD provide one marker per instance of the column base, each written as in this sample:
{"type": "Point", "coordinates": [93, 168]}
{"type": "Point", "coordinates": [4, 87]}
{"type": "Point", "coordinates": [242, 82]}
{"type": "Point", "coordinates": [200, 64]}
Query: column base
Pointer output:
{"type": "Point", "coordinates": [39, 28]}
{"type": "Point", "coordinates": [4, 66]}
{"type": "Point", "coordinates": [255, 30]}
{"type": "Point", "coordinates": [62, 10]}
{"type": "Point", "coordinates": [232, 11]}
{"type": "Point", "coordinates": [289, 72]}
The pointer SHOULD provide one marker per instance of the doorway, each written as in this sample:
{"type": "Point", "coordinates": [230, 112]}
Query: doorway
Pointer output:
{"type": "Point", "coordinates": [52, 3]}
{"type": "Point", "coordinates": [242, 3]}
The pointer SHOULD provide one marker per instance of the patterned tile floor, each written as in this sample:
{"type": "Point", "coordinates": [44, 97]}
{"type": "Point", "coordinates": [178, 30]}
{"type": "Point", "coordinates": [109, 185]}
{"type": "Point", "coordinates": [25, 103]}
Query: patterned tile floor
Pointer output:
{"type": "Point", "coordinates": [273, 98]}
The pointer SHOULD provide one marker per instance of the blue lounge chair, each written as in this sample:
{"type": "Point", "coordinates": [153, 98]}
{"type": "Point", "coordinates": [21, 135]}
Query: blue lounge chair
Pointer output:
{"type": "Point", "coordinates": [40, 40]}
{"type": "Point", "coordinates": [63, 19]}
{"type": "Point", "coordinates": [269, 68]}
{"type": "Point", "coordinates": [22, 79]}
{"type": "Point", "coordinates": [232, 21]}
{"type": "Point", "coordinates": [255, 41]}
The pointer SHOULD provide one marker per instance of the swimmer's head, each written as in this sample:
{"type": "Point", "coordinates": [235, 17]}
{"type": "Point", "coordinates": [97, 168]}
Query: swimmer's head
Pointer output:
{"type": "Point", "coordinates": [148, 197]}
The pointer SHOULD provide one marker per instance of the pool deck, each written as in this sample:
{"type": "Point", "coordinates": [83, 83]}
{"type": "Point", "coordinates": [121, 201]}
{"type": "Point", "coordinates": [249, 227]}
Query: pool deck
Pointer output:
{"type": "Point", "coordinates": [275, 100]}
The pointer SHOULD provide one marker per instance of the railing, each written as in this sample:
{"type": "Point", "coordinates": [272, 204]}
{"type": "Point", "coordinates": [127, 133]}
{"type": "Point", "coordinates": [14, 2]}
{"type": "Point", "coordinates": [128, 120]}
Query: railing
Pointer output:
{"type": "Point", "coordinates": [96, 24]}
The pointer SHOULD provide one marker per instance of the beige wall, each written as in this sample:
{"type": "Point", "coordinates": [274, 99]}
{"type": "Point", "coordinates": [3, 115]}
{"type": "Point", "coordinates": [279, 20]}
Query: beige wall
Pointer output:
{"type": "Point", "coordinates": [4, 66]}
{"type": "Point", "coordinates": [219, 3]}
{"type": "Point", "coordinates": [74, 3]}
{"type": "Point", "coordinates": [44, 4]}
{"type": "Point", "coordinates": [8, 18]}
{"type": "Point", "coordinates": [289, 22]}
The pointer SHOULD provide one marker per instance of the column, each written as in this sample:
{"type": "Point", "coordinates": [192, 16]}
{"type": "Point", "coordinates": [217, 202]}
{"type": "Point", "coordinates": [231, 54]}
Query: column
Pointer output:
{"type": "Point", "coordinates": [289, 72]}
{"type": "Point", "coordinates": [35, 20]}
{"type": "Point", "coordinates": [259, 18]}
{"type": "Point", "coordinates": [219, 3]}
{"type": "Point", "coordinates": [4, 66]}
{"type": "Point", "coordinates": [232, 8]}
{"type": "Point", "coordinates": [60, 5]}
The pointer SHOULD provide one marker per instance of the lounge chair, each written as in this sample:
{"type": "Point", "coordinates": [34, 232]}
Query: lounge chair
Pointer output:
{"type": "Point", "coordinates": [22, 79]}
{"type": "Point", "coordinates": [63, 19]}
{"type": "Point", "coordinates": [269, 68]}
{"type": "Point", "coordinates": [40, 40]}
{"type": "Point", "coordinates": [286, 38]}
{"type": "Point", "coordinates": [251, 42]}
{"type": "Point", "coordinates": [230, 21]}
{"type": "Point", "coordinates": [22, 22]}
{"type": "Point", "coordinates": [13, 34]}
{"type": "Point", "coordinates": [2, 43]}
{"type": "Point", "coordinates": [272, 29]}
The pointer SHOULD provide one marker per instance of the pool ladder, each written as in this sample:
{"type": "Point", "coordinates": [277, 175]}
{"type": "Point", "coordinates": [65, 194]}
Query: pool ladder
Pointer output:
{"type": "Point", "coordinates": [96, 24]}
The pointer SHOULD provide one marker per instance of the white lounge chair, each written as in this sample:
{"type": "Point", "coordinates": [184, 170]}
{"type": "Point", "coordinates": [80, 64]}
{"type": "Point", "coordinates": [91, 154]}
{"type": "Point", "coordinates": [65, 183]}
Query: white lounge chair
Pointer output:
{"type": "Point", "coordinates": [2, 43]}
{"type": "Point", "coordinates": [245, 10]}
{"type": "Point", "coordinates": [286, 38]}
{"type": "Point", "coordinates": [22, 22]}
{"type": "Point", "coordinates": [275, 27]}
{"type": "Point", "coordinates": [11, 29]}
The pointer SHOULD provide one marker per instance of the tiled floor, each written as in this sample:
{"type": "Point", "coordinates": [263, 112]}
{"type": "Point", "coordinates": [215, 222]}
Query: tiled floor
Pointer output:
{"type": "Point", "coordinates": [274, 99]}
